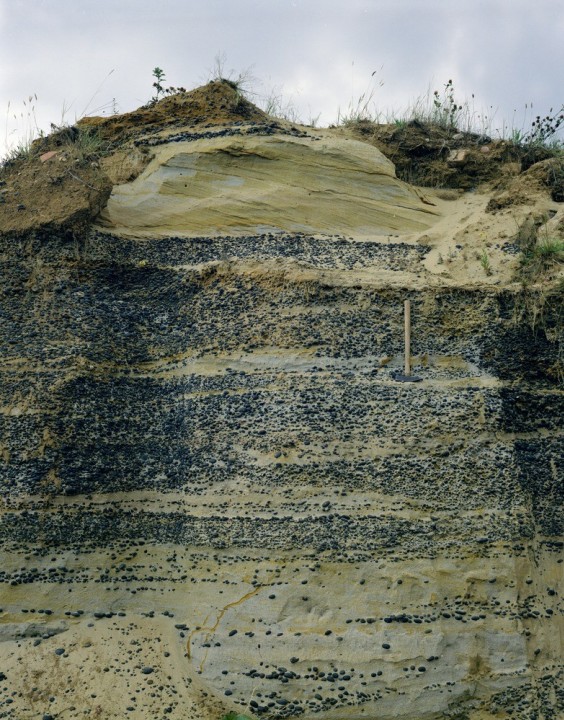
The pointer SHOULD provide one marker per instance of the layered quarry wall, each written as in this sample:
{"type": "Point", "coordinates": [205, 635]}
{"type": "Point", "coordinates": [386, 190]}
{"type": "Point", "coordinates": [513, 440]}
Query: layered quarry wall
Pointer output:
{"type": "Point", "coordinates": [215, 494]}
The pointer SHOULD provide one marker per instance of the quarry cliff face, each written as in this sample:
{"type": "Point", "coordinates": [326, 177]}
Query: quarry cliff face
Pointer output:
{"type": "Point", "coordinates": [217, 493]}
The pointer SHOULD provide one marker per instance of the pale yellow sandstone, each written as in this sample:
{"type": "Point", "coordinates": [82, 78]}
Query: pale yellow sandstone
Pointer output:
{"type": "Point", "coordinates": [252, 184]}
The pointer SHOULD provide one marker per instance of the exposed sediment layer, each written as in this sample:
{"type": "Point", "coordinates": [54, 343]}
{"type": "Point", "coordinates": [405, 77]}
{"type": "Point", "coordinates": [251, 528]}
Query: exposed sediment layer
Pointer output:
{"type": "Point", "coordinates": [284, 182]}
{"type": "Point", "coordinates": [210, 449]}
{"type": "Point", "coordinates": [216, 493]}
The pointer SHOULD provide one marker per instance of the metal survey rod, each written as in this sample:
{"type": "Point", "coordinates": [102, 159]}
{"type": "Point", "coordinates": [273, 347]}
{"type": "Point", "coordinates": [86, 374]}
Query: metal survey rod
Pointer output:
{"type": "Point", "coordinates": [407, 329]}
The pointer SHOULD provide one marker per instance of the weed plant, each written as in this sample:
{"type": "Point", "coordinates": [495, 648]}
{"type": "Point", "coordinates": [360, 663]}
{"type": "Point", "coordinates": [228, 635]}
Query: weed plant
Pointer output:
{"type": "Point", "coordinates": [161, 90]}
{"type": "Point", "coordinates": [544, 129]}
{"type": "Point", "coordinates": [485, 263]}
{"type": "Point", "coordinates": [446, 110]}
{"type": "Point", "coordinates": [28, 121]}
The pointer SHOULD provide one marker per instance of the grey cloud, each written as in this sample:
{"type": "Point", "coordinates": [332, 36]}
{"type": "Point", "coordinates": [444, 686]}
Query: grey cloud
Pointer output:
{"type": "Point", "coordinates": [321, 52]}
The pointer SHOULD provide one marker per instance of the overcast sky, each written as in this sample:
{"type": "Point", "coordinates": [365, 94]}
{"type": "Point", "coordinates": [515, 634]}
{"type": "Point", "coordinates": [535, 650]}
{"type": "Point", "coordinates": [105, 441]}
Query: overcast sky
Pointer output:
{"type": "Point", "coordinates": [94, 56]}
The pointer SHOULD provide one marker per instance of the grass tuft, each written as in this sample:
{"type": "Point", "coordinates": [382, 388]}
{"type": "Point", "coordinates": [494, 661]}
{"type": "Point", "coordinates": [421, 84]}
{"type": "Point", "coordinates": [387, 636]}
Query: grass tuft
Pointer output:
{"type": "Point", "coordinates": [543, 257]}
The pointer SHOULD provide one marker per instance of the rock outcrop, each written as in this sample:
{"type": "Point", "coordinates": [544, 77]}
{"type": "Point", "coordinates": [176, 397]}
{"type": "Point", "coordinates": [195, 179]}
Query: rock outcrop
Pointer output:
{"type": "Point", "coordinates": [257, 179]}
{"type": "Point", "coordinates": [216, 491]}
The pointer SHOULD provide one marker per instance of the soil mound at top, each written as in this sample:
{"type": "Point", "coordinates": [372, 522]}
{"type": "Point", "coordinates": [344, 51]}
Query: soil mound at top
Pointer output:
{"type": "Point", "coordinates": [217, 103]}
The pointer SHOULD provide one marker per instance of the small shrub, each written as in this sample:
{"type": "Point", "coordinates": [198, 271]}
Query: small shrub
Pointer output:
{"type": "Point", "coordinates": [159, 75]}
{"type": "Point", "coordinates": [485, 263]}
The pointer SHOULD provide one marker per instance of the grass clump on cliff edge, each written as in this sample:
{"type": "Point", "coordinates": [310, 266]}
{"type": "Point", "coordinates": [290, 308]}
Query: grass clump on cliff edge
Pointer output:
{"type": "Point", "coordinates": [442, 142]}
{"type": "Point", "coordinates": [77, 144]}
{"type": "Point", "coordinates": [538, 261]}
{"type": "Point", "coordinates": [58, 180]}
{"type": "Point", "coordinates": [542, 250]}
{"type": "Point", "coordinates": [540, 304]}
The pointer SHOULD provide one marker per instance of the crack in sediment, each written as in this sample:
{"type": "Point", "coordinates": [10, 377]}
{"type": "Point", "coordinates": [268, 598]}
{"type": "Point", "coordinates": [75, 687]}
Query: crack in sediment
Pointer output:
{"type": "Point", "coordinates": [213, 628]}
